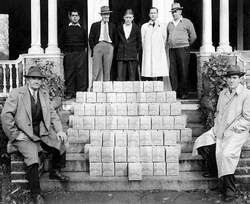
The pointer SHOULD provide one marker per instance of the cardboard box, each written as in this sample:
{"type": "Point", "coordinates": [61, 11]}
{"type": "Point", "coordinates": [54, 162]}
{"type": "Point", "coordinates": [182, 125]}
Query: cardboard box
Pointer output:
{"type": "Point", "coordinates": [120, 138]}
{"type": "Point", "coordinates": [84, 136]}
{"type": "Point", "coordinates": [121, 169]}
{"type": "Point", "coordinates": [170, 96]}
{"type": "Point", "coordinates": [91, 97]}
{"type": "Point", "coordinates": [81, 97]}
{"type": "Point", "coordinates": [138, 86]}
{"type": "Point", "coordinates": [111, 109]}
{"type": "Point", "coordinates": [145, 122]}
{"type": "Point", "coordinates": [133, 123]}
{"type": "Point", "coordinates": [78, 108]}
{"type": "Point", "coordinates": [120, 154]}
{"type": "Point", "coordinates": [89, 109]}
{"type": "Point", "coordinates": [141, 98]}
{"type": "Point", "coordinates": [72, 132]}
{"type": "Point", "coordinates": [168, 122]}
{"type": "Point", "coordinates": [143, 109]}
{"type": "Point", "coordinates": [108, 169]}
{"type": "Point", "coordinates": [170, 137]}
{"type": "Point", "coordinates": [101, 97]}
{"type": "Point", "coordinates": [147, 169]}
{"type": "Point", "coordinates": [175, 108]}
{"type": "Point", "coordinates": [118, 86]}
{"type": "Point", "coordinates": [133, 154]}
{"type": "Point", "coordinates": [100, 123]}
{"type": "Point", "coordinates": [172, 153]}
{"type": "Point", "coordinates": [88, 123]}
{"type": "Point", "coordinates": [158, 86]}
{"type": "Point", "coordinates": [96, 137]}
{"type": "Point", "coordinates": [146, 154]}
{"type": "Point", "coordinates": [77, 122]}
{"type": "Point", "coordinates": [111, 123]}
{"type": "Point", "coordinates": [121, 97]}
{"type": "Point", "coordinates": [151, 97]}
{"type": "Point", "coordinates": [134, 172]}
{"type": "Point", "coordinates": [108, 138]}
{"type": "Point", "coordinates": [157, 123]}
{"type": "Point", "coordinates": [97, 86]}
{"type": "Point", "coordinates": [107, 154]}
{"type": "Point", "coordinates": [100, 109]}
{"type": "Point", "coordinates": [173, 169]}
{"type": "Point", "coordinates": [165, 109]}
{"type": "Point", "coordinates": [127, 86]}
{"type": "Point", "coordinates": [186, 135]}
{"type": "Point", "coordinates": [122, 109]}
{"type": "Point", "coordinates": [95, 155]}
{"type": "Point", "coordinates": [154, 109]}
{"type": "Point", "coordinates": [160, 97]}
{"type": "Point", "coordinates": [158, 154]}
{"type": "Point", "coordinates": [157, 137]}
{"type": "Point", "coordinates": [145, 138]}
{"type": "Point", "coordinates": [95, 169]}
{"type": "Point", "coordinates": [133, 138]}
{"type": "Point", "coordinates": [131, 97]}
{"type": "Point", "coordinates": [148, 86]}
{"type": "Point", "coordinates": [111, 97]}
{"type": "Point", "coordinates": [160, 169]}
{"type": "Point", "coordinates": [107, 86]}
{"type": "Point", "coordinates": [180, 122]}
{"type": "Point", "coordinates": [122, 123]}
{"type": "Point", "coordinates": [132, 109]}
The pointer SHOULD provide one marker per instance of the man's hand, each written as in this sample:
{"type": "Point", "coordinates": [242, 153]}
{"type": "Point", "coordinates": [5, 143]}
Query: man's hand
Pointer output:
{"type": "Point", "coordinates": [62, 136]}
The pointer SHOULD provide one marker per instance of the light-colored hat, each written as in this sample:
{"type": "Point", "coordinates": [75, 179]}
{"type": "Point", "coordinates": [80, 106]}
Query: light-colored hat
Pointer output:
{"type": "Point", "coordinates": [35, 71]}
{"type": "Point", "coordinates": [105, 10]}
{"type": "Point", "coordinates": [176, 6]}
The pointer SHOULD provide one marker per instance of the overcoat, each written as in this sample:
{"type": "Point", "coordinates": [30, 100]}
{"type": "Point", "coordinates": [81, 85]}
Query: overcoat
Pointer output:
{"type": "Point", "coordinates": [17, 119]}
{"type": "Point", "coordinates": [154, 58]}
{"type": "Point", "coordinates": [231, 128]}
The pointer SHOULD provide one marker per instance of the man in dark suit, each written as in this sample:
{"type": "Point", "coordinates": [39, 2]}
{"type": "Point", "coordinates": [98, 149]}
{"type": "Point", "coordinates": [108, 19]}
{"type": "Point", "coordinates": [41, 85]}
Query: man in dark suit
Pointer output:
{"type": "Point", "coordinates": [102, 40]}
{"type": "Point", "coordinates": [31, 123]}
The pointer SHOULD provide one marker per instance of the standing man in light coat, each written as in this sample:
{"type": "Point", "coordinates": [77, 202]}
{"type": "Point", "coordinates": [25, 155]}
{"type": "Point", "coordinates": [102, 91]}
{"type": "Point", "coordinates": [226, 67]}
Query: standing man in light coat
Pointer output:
{"type": "Point", "coordinates": [154, 58]}
{"type": "Point", "coordinates": [231, 130]}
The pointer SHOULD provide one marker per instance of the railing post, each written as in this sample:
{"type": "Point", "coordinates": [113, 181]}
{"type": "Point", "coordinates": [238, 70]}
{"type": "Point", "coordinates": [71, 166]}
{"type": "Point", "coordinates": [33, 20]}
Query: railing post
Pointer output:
{"type": "Point", "coordinates": [11, 78]}
{"type": "Point", "coordinates": [4, 79]}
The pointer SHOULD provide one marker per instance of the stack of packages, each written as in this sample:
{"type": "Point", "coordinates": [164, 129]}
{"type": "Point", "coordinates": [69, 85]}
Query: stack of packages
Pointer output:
{"type": "Point", "coordinates": [133, 127]}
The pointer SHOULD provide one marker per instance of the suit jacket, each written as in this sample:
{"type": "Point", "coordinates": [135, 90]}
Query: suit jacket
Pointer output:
{"type": "Point", "coordinates": [16, 117]}
{"type": "Point", "coordinates": [128, 48]}
{"type": "Point", "coordinates": [95, 31]}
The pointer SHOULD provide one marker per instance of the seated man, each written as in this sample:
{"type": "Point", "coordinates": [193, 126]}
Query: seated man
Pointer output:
{"type": "Point", "coordinates": [31, 123]}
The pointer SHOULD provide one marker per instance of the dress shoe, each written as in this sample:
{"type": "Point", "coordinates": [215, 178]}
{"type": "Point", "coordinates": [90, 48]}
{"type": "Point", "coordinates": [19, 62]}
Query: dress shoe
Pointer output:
{"type": "Point", "coordinates": [58, 176]}
{"type": "Point", "coordinates": [38, 199]}
{"type": "Point", "coordinates": [208, 175]}
{"type": "Point", "coordinates": [228, 199]}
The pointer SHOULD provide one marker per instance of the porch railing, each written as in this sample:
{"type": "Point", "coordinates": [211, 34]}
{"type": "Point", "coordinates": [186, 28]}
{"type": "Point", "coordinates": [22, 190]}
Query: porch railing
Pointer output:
{"type": "Point", "coordinates": [11, 75]}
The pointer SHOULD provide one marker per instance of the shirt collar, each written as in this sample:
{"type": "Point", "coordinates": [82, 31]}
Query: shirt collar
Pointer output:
{"type": "Point", "coordinates": [180, 20]}
{"type": "Point", "coordinates": [237, 91]}
{"type": "Point", "coordinates": [153, 22]}
{"type": "Point", "coordinates": [74, 24]}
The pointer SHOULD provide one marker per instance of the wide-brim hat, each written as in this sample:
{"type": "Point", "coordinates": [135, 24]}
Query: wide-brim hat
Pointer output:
{"type": "Point", "coordinates": [105, 10]}
{"type": "Point", "coordinates": [234, 70]}
{"type": "Point", "coordinates": [34, 72]}
{"type": "Point", "coordinates": [176, 6]}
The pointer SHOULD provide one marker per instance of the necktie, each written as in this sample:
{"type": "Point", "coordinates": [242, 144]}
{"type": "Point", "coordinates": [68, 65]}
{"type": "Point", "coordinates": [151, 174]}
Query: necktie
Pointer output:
{"type": "Point", "coordinates": [34, 95]}
{"type": "Point", "coordinates": [105, 32]}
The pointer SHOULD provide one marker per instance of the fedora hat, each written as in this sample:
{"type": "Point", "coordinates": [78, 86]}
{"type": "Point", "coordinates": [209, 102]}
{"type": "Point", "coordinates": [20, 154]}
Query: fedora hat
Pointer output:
{"type": "Point", "coordinates": [105, 10]}
{"type": "Point", "coordinates": [34, 72]}
{"type": "Point", "coordinates": [176, 6]}
{"type": "Point", "coordinates": [234, 70]}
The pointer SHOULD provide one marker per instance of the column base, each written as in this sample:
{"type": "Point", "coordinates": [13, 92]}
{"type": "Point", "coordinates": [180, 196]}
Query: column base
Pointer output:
{"type": "Point", "coordinates": [224, 48]}
{"type": "Point", "coordinates": [52, 50]}
{"type": "Point", "coordinates": [207, 48]}
{"type": "Point", "coordinates": [35, 50]}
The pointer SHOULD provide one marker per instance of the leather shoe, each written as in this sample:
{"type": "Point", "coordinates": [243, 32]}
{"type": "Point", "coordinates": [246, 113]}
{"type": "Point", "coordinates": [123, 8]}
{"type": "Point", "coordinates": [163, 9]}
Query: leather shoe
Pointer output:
{"type": "Point", "coordinates": [58, 176]}
{"type": "Point", "coordinates": [38, 199]}
{"type": "Point", "coordinates": [208, 175]}
{"type": "Point", "coordinates": [228, 199]}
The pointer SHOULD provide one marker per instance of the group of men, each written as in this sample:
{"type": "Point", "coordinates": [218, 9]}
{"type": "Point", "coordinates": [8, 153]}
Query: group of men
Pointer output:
{"type": "Point", "coordinates": [128, 39]}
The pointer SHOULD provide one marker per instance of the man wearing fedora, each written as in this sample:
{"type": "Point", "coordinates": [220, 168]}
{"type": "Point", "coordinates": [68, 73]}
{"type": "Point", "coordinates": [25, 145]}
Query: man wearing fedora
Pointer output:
{"type": "Point", "coordinates": [32, 124]}
{"type": "Point", "coordinates": [230, 130]}
{"type": "Point", "coordinates": [180, 35]}
{"type": "Point", "coordinates": [102, 40]}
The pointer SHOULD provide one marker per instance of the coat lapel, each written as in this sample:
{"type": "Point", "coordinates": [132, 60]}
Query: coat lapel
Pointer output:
{"type": "Point", "coordinates": [45, 107]}
{"type": "Point", "coordinates": [27, 102]}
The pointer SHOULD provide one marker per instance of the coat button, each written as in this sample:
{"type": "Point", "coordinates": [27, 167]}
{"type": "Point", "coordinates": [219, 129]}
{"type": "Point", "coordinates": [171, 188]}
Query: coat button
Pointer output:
{"type": "Point", "coordinates": [28, 124]}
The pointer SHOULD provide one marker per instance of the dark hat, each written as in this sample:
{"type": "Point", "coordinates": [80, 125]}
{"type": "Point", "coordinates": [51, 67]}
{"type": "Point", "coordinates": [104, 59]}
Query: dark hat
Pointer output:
{"type": "Point", "coordinates": [234, 70]}
{"type": "Point", "coordinates": [176, 6]}
{"type": "Point", "coordinates": [35, 72]}
{"type": "Point", "coordinates": [105, 10]}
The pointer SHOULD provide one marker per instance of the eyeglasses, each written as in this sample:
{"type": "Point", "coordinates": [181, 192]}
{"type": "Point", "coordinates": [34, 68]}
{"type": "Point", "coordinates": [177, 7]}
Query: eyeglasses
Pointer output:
{"type": "Point", "coordinates": [174, 11]}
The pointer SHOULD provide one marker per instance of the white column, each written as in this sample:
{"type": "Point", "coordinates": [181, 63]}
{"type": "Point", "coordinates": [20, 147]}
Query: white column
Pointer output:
{"type": "Point", "coordinates": [224, 27]}
{"type": "Point", "coordinates": [35, 28]}
{"type": "Point", "coordinates": [164, 7]}
{"type": "Point", "coordinates": [52, 28]}
{"type": "Point", "coordinates": [207, 45]}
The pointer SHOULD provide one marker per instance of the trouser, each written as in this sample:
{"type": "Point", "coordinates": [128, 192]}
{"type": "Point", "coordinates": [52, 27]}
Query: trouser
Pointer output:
{"type": "Point", "coordinates": [127, 70]}
{"type": "Point", "coordinates": [102, 61]}
{"type": "Point", "coordinates": [227, 185]}
{"type": "Point", "coordinates": [75, 72]}
{"type": "Point", "coordinates": [179, 61]}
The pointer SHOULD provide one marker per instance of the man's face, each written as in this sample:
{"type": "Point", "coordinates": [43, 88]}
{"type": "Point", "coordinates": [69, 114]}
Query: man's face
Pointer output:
{"type": "Point", "coordinates": [74, 17]}
{"type": "Point", "coordinates": [34, 82]}
{"type": "Point", "coordinates": [128, 18]}
{"type": "Point", "coordinates": [153, 14]}
{"type": "Point", "coordinates": [105, 17]}
{"type": "Point", "coordinates": [233, 81]}
{"type": "Point", "coordinates": [176, 14]}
